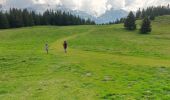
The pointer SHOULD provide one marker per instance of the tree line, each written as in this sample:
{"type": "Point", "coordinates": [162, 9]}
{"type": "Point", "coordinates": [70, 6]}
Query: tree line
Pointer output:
{"type": "Point", "coordinates": [146, 15]}
{"type": "Point", "coordinates": [150, 12]}
{"type": "Point", "coordinates": [15, 18]}
{"type": "Point", "coordinates": [153, 12]}
{"type": "Point", "coordinates": [130, 24]}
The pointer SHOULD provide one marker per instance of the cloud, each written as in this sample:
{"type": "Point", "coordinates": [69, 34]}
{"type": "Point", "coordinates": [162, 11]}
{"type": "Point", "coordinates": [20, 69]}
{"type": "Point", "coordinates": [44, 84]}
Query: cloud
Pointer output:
{"type": "Point", "coordinates": [135, 4]}
{"type": "Point", "coordinates": [50, 2]}
{"type": "Point", "coordinates": [94, 7]}
{"type": "Point", "coordinates": [18, 3]}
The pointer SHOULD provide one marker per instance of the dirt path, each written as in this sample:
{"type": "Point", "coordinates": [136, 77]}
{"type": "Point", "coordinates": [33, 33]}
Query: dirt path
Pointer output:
{"type": "Point", "coordinates": [96, 57]}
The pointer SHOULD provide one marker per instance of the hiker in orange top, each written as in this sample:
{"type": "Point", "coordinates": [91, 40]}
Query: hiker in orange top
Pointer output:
{"type": "Point", "coordinates": [65, 46]}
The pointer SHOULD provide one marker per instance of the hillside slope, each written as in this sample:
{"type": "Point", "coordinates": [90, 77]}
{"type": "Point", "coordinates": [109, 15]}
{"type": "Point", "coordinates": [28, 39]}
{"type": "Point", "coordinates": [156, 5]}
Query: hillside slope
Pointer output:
{"type": "Point", "coordinates": [103, 62]}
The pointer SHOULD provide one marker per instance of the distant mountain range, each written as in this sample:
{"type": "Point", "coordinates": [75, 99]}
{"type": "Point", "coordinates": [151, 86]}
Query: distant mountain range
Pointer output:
{"type": "Point", "coordinates": [109, 16]}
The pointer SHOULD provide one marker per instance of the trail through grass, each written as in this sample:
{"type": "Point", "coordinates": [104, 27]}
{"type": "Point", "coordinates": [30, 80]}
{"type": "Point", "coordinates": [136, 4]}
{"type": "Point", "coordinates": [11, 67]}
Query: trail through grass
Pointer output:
{"type": "Point", "coordinates": [57, 46]}
{"type": "Point", "coordinates": [102, 63]}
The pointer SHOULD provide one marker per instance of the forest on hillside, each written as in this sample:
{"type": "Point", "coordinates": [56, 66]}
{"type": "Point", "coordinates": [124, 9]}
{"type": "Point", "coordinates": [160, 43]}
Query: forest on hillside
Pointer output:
{"type": "Point", "coordinates": [150, 12]}
{"type": "Point", "coordinates": [15, 18]}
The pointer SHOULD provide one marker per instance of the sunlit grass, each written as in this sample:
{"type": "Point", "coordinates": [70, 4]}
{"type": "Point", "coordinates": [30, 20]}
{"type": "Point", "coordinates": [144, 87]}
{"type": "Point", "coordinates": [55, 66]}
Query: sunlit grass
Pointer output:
{"type": "Point", "coordinates": [103, 62]}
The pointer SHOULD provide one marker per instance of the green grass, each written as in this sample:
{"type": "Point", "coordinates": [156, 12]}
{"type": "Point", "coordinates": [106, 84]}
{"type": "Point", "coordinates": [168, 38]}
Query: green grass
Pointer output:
{"type": "Point", "coordinates": [103, 62]}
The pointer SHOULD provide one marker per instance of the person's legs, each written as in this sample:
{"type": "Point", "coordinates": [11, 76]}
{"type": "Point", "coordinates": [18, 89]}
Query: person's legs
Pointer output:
{"type": "Point", "coordinates": [47, 51]}
{"type": "Point", "coordinates": [65, 50]}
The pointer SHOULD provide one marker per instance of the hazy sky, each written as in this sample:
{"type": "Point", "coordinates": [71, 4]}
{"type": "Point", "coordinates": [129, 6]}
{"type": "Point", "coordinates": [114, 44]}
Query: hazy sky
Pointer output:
{"type": "Point", "coordinates": [96, 7]}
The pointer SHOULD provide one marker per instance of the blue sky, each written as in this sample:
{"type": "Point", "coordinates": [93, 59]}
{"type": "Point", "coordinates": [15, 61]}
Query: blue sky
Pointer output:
{"type": "Point", "coordinates": [97, 7]}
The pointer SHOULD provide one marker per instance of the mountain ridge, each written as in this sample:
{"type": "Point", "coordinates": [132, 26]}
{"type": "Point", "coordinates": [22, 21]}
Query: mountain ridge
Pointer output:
{"type": "Point", "coordinates": [109, 16]}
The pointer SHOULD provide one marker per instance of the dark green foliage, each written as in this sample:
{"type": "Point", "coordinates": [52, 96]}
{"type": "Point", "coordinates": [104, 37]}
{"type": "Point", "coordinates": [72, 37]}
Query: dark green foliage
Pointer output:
{"type": "Point", "coordinates": [36, 18]}
{"type": "Point", "coordinates": [152, 17]}
{"type": "Point", "coordinates": [19, 18]}
{"type": "Point", "coordinates": [46, 18]}
{"type": "Point", "coordinates": [130, 22]}
{"type": "Point", "coordinates": [15, 18]}
{"type": "Point", "coordinates": [143, 14]}
{"type": "Point", "coordinates": [153, 12]}
{"type": "Point", "coordinates": [146, 26]}
{"type": "Point", "coordinates": [138, 14]}
{"type": "Point", "coordinates": [118, 21]}
{"type": "Point", "coordinates": [3, 21]}
{"type": "Point", "coordinates": [27, 18]}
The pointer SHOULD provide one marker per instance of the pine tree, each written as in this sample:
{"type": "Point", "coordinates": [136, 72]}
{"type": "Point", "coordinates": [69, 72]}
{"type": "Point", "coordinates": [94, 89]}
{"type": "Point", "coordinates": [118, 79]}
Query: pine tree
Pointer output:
{"type": "Point", "coordinates": [26, 19]}
{"type": "Point", "coordinates": [35, 18]}
{"type": "Point", "coordinates": [152, 17]}
{"type": "Point", "coordinates": [143, 13]}
{"type": "Point", "coordinates": [15, 18]}
{"type": "Point", "coordinates": [138, 14]}
{"type": "Point", "coordinates": [46, 18]}
{"type": "Point", "coordinates": [18, 18]}
{"type": "Point", "coordinates": [31, 19]}
{"type": "Point", "coordinates": [4, 24]}
{"type": "Point", "coordinates": [146, 26]}
{"type": "Point", "coordinates": [130, 22]}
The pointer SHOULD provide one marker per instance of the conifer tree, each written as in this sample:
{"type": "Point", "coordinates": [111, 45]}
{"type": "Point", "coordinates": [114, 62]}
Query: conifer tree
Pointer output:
{"type": "Point", "coordinates": [130, 22]}
{"type": "Point", "coordinates": [146, 26]}
{"type": "Point", "coordinates": [138, 14]}
{"type": "Point", "coordinates": [18, 18]}
{"type": "Point", "coordinates": [152, 17]}
{"type": "Point", "coordinates": [26, 19]}
{"type": "Point", "coordinates": [143, 13]}
{"type": "Point", "coordinates": [3, 21]}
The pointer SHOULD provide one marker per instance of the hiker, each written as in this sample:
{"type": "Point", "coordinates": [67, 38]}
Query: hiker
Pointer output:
{"type": "Point", "coordinates": [65, 46]}
{"type": "Point", "coordinates": [46, 47]}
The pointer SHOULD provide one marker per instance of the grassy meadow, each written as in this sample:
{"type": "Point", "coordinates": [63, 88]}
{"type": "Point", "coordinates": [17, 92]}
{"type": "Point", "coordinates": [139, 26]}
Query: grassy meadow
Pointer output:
{"type": "Point", "coordinates": [103, 63]}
